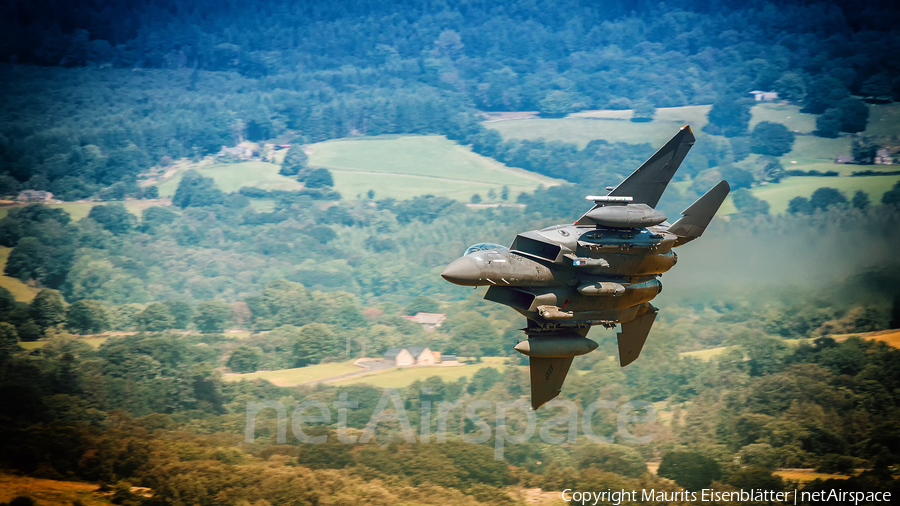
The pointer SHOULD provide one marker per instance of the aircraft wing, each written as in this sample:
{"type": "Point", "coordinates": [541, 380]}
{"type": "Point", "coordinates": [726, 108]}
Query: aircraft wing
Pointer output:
{"type": "Point", "coordinates": [698, 215]}
{"type": "Point", "coordinates": [647, 184]}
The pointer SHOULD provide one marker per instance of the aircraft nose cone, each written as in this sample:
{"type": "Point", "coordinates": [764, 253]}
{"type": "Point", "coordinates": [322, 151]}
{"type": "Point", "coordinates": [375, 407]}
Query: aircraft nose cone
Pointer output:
{"type": "Point", "coordinates": [463, 271]}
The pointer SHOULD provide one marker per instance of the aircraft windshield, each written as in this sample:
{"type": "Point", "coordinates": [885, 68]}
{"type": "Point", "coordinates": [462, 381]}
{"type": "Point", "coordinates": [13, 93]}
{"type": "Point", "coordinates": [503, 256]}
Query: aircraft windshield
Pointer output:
{"type": "Point", "coordinates": [483, 246]}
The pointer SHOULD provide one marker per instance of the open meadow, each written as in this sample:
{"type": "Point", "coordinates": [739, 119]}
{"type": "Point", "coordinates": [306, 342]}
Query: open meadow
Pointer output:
{"type": "Point", "coordinates": [299, 375]}
{"type": "Point", "coordinates": [405, 376]}
{"type": "Point", "coordinates": [45, 491]}
{"type": "Point", "coordinates": [232, 177]}
{"type": "Point", "coordinates": [402, 167]}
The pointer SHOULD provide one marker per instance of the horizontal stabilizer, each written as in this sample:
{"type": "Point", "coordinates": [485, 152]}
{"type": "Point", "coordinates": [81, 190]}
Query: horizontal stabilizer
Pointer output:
{"type": "Point", "coordinates": [547, 377]}
{"type": "Point", "coordinates": [634, 334]}
{"type": "Point", "coordinates": [648, 183]}
{"type": "Point", "coordinates": [698, 215]}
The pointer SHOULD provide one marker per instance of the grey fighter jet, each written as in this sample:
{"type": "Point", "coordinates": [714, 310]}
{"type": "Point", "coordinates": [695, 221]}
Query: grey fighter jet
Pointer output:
{"type": "Point", "coordinates": [602, 270]}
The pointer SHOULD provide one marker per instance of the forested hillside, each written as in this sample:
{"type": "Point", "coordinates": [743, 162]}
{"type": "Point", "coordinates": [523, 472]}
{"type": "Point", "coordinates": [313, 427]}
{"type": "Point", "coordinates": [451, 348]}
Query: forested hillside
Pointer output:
{"type": "Point", "coordinates": [192, 237]}
{"type": "Point", "coordinates": [125, 89]}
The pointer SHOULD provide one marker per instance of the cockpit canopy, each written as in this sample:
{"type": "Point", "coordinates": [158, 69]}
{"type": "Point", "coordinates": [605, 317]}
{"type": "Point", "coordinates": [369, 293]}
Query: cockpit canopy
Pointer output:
{"type": "Point", "coordinates": [482, 246]}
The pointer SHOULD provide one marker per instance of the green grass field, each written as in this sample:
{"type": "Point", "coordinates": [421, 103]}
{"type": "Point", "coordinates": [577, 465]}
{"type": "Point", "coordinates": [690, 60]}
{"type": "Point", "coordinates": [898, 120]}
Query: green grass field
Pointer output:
{"type": "Point", "coordinates": [403, 377]}
{"type": "Point", "coordinates": [48, 492]}
{"type": "Point", "coordinates": [19, 290]}
{"type": "Point", "coordinates": [884, 121]}
{"type": "Point", "coordinates": [706, 355]}
{"type": "Point", "coordinates": [778, 195]}
{"type": "Point", "coordinates": [788, 115]}
{"type": "Point", "coordinates": [94, 342]}
{"type": "Point", "coordinates": [402, 167]}
{"type": "Point", "coordinates": [233, 176]}
{"type": "Point", "coordinates": [298, 376]}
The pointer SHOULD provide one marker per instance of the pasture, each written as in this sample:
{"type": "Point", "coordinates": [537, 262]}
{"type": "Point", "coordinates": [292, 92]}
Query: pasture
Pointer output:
{"type": "Point", "coordinates": [405, 376]}
{"type": "Point", "coordinates": [402, 167]}
{"type": "Point", "coordinates": [889, 337]}
{"type": "Point", "coordinates": [94, 342]}
{"type": "Point", "coordinates": [706, 355]}
{"type": "Point", "coordinates": [230, 177]}
{"type": "Point", "coordinates": [45, 491]}
{"type": "Point", "coordinates": [298, 376]}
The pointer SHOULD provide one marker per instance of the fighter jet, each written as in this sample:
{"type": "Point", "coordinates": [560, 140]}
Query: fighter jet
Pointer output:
{"type": "Point", "coordinates": [601, 270]}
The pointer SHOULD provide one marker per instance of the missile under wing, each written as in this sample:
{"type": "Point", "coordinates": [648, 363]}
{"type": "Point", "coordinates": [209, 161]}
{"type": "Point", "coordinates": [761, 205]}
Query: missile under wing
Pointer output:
{"type": "Point", "coordinates": [602, 270]}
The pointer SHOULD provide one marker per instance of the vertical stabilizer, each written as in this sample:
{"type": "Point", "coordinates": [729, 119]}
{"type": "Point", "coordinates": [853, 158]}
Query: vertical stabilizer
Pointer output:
{"type": "Point", "coordinates": [634, 334]}
{"type": "Point", "coordinates": [648, 183]}
{"type": "Point", "coordinates": [547, 377]}
{"type": "Point", "coordinates": [698, 215]}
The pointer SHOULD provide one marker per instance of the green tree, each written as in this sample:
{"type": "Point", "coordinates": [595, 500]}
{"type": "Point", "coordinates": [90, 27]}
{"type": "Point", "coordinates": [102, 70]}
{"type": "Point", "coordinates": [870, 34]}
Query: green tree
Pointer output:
{"type": "Point", "coordinates": [87, 317]}
{"type": "Point", "coordinates": [312, 343]}
{"type": "Point", "coordinates": [422, 304]}
{"type": "Point", "coordinates": [557, 104]}
{"type": "Point", "coordinates": [854, 115]}
{"type": "Point", "coordinates": [892, 196]}
{"type": "Point", "coordinates": [790, 87]}
{"type": "Point", "coordinates": [48, 309]}
{"type": "Point", "coordinates": [772, 139]}
{"type": "Point", "coordinates": [747, 203]}
{"type": "Point", "coordinates": [245, 359]}
{"type": "Point", "coordinates": [182, 313]}
{"type": "Point", "coordinates": [212, 316]}
{"type": "Point", "coordinates": [799, 205]}
{"type": "Point", "coordinates": [473, 332]}
{"type": "Point", "coordinates": [196, 190]}
{"type": "Point", "coordinates": [618, 459]}
{"type": "Point", "coordinates": [155, 216]}
{"type": "Point", "coordinates": [823, 198]}
{"type": "Point", "coordinates": [504, 193]}
{"type": "Point", "coordinates": [156, 317]}
{"type": "Point", "coordinates": [690, 470]}
{"type": "Point", "coordinates": [113, 217]}
{"type": "Point", "coordinates": [823, 93]}
{"type": "Point", "coordinates": [319, 178]}
{"type": "Point", "coordinates": [7, 302]}
{"type": "Point", "coordinates": [861, 200]}
{"type": "Point", "coordinates": [729, 116]}
{"type": "Point", "coordinates": [294, 161]}
{"type": "Point", "coordinates": [476, 199]}
{"type": "Point", "coordinates": [766, 354]}
{"type": "Point", "coordinates": [828, 125]}
{"type": "Point", "coordinates": [8, 334]}
{"type": "Point", "coordinates": [29, 331]}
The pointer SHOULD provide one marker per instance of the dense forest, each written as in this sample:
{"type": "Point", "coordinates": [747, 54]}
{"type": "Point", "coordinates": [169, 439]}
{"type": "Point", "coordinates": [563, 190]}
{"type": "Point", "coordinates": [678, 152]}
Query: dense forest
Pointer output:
{"type": "Point", "coordinates": [118, 89]}
{"type": "Point", "coordinates": [97, 94]}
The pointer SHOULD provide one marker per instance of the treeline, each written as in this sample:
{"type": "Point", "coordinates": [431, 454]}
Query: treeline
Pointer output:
{"type": "Point", "coordinates": [198, 87]}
